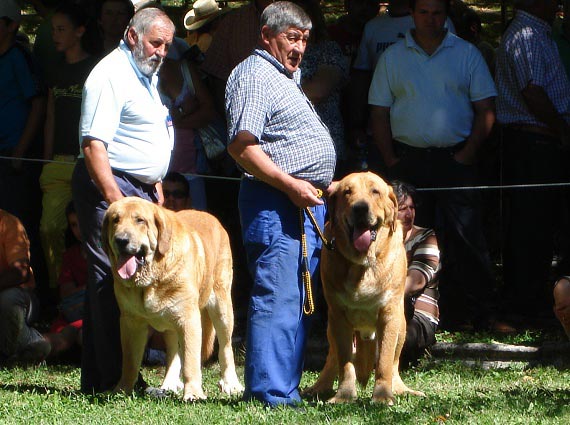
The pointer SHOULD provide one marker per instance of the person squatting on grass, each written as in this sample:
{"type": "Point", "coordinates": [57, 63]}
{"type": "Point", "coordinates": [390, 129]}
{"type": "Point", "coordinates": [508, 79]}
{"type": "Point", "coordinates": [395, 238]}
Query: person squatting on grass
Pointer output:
{"type": "Point", "coordinates": [421, 293]}
{"type": "Point", "coordinates": [286, 154]}
{"type": "Point", "coordinates": [19, 307]}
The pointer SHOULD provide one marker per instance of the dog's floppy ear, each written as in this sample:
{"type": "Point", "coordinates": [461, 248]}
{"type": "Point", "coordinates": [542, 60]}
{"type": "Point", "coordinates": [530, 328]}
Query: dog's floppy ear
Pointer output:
{"type": "Point", "coordinates": [392, 209]}
{"type": "Point", "coordinates": [105, 235]}
{"type": "Point", "coordinates": [164, 230]}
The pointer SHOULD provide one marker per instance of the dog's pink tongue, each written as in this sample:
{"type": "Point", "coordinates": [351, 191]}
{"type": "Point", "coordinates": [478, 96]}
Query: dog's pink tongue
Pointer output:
{"type": "Point", "coordinates": [361, 239]}
{"type": "Point", "coordinates": [126, 266]}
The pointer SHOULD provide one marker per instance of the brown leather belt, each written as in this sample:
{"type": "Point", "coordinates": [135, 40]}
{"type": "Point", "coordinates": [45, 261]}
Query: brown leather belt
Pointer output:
{"type": "Point", "coordinates": [530, 128]}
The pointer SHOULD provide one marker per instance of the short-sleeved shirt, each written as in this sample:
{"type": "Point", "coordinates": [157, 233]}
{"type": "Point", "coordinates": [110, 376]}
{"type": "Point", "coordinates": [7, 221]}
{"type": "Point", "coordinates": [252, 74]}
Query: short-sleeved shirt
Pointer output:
{"type": "Point", "coordinates": [14, 244]}
{"type": "Point", "coordinates": [122, 108]}
{"type": "Point", "coordinates": [430, 96]}
{"type": "Point", "coordinates": [66, 83]}
{"type": "Point", "coordinates": [234, 40]}
{"type": "Point", "coordinates": [380, 33]}
{"type": "Point", "coordinates": [19, 83]}
{"type": "Point", "coordinates": [423, 255]}
{"type": "Point", "coordinates": [264, 99]}
{"type": "Point", "coordinates": [528, 54]}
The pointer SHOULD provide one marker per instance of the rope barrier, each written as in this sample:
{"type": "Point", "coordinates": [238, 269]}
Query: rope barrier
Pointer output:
{"type": "Point", "coordinates": [44, 161]}
{"type": "Point", "coordinates": [419, 189]}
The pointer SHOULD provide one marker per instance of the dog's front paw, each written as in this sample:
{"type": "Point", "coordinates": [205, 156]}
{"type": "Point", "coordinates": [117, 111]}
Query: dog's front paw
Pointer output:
{"type": "Point", "coordinates": [230, 387]}
{"type": "Point", "coordinates": [344, 395]}
{"type": "Point", "coordinates": [193, 393]}
{"type": "Point", "coordinates": [382, 394]}
{"type": "Point", "coordinates": [398, 387]}
{"type": "Point", "coordinates": [123, 388]}
{"type": "Point", "coordinates": [318, 392]}
{"type": "Point", "coordinates": [174, 385]}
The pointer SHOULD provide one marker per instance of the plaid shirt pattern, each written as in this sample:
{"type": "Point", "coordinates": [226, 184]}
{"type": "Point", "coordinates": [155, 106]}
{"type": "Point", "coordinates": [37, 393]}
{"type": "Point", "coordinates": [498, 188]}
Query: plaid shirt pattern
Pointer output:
{"type": "Point", "coordinates": [528, 54]}
{"type": "Point", "coordinates": [263, 98]}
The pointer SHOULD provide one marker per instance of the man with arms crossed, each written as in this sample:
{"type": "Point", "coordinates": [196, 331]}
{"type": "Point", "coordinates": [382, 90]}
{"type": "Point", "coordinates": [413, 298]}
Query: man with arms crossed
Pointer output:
{"type": "Point", "coordinates": [126, 146]}
{"type": "Point", "coordinates": [432, 103]}
{"type": "Point", "coordinates": [286, 153]}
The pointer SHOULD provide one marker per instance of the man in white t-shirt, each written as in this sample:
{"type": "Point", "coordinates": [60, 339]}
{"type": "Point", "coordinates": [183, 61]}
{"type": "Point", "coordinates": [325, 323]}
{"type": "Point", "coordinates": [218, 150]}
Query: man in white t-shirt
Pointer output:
{"type": "Point", "coordinates": [379, 33]}
{"type": "Point", "coordinates": [126, 143]}
{"type": "Point", "coordinates": [432, 106]}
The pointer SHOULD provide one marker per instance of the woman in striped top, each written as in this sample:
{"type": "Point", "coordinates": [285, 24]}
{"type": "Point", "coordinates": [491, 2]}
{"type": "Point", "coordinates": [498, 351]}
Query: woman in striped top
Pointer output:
{"type": "Point", "coordinates": [421, 294]}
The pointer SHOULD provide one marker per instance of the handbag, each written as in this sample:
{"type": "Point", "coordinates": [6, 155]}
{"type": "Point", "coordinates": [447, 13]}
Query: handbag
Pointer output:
{"type": "Point", "coordinates": [212, 139]}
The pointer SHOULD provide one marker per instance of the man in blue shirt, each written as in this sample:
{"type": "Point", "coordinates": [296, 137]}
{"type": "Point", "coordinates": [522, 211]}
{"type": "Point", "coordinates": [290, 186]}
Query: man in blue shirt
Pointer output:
{"type": "Point", "coordinates": [533, 109]}
{"type": "Point", "coordinates": [286, 154]}
{"type": "Point", "coordinates": [432, 103]}
{"type": "Point", "coordinates": [126, 146]}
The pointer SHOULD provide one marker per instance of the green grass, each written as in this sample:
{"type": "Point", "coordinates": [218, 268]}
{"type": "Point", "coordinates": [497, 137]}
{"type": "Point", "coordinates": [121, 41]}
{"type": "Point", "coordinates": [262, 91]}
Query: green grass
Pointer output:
{"type": "Point", "coordinates": [455, 394]}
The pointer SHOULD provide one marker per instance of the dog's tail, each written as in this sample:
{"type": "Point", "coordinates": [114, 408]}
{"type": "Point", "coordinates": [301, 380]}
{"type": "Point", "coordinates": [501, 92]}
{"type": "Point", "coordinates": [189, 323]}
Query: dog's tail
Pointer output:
{"type": "Point", "coordinates": [208, 337]}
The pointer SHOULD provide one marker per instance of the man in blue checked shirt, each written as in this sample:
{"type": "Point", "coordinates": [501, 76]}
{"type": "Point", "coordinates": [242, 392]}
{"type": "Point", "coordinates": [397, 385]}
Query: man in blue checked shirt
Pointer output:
{"type": "Point", "coordinates": [286, 154]}
{"type": "Point", "coordinates": [533, 107]}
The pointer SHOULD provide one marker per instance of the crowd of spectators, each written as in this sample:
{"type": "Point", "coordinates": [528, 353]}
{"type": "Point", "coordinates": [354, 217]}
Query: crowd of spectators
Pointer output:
{"type": "Point", "coordinates": [413, 91]}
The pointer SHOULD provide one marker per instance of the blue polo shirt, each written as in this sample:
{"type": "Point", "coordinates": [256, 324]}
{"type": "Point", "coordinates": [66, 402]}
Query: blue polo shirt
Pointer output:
{"type": "Point", "coordinates": [122, 108]}
{"type": "Point", "coordinates": [430, 96]}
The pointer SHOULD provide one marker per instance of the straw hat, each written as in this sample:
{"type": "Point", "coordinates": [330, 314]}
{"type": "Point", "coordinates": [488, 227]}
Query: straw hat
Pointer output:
{"type": "Point", "coordinates": [202, 12]}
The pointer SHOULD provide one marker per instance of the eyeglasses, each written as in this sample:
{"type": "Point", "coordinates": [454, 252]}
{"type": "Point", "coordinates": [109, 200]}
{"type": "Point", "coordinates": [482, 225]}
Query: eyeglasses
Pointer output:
{"type": "Point", "coordinates": [177, 194]}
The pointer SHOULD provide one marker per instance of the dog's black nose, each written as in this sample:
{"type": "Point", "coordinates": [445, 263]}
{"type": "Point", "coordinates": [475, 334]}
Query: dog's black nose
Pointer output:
{"type": "Point", "coordinates": [360, 212]}
{"type": "Point", "coordinates": [360, 209]}
{"type": "Point", "coordinates": [121, 241]}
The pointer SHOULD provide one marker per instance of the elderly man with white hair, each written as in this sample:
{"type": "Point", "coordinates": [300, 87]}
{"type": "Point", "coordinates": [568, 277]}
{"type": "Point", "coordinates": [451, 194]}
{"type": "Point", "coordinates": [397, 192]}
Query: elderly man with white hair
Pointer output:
{"type": "Point", "coordinates": [126, 141]}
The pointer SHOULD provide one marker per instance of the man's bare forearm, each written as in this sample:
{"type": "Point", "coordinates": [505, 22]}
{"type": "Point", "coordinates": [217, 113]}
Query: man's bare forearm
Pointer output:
{"type": "Point", "coordinates": [97, 163]}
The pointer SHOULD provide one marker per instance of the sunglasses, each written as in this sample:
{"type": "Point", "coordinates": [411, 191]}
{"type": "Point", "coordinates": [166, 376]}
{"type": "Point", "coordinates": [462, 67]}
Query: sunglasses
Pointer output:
{"type": "Point", "coordinates": [177, 194]}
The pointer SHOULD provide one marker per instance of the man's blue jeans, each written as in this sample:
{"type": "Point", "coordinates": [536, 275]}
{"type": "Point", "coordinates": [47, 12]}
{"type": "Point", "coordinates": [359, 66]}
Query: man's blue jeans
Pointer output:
{"type": "Point", "coordinates": [277, 326]}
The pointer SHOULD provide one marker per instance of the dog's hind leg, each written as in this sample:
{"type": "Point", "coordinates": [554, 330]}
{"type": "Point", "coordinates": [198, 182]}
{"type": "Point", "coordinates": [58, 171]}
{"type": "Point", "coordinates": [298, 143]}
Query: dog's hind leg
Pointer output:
{"type": "Point", "coordinates": [172, 380]}
{"type": "Point", "coordinates": [208, 336]}
{"type": "Point", "coordinates": [133, 341]}
{"type": "Point", "coordinates": [398, 386]}
{"type": "Point", "coordinates": [190, 336]}
{"type": "Point", "coordinates": [388, 334]}
{"type": "Point", "coordinates": [324, 384]}
{"type": "Point", "coordinates": [364, 359]}
{"type": "Point", "coordinates": [341, 339]}
{"type": "Point", "coordinates": [220, 311]}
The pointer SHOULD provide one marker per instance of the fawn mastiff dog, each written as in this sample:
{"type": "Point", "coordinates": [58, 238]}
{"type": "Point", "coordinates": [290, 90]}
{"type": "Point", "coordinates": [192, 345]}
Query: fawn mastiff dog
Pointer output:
{"type": "Point", "coordinates": [172, 271]}
{"type": "Point", "coordinates": [363, 279]}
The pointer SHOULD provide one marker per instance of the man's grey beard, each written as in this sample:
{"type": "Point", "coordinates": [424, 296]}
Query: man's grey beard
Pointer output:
{"type": "Point", "coordinates": [147, 66]}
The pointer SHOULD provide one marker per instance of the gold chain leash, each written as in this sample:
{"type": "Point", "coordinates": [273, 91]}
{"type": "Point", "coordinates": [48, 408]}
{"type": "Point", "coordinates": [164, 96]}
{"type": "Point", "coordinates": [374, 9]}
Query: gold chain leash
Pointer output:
{"type": "Point", "coordinates": [309, 303]}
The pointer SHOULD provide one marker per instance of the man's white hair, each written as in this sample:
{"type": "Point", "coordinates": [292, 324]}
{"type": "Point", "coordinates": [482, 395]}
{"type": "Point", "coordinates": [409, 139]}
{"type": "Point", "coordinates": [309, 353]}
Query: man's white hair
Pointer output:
{"type": "Point", "coordinates": [143, 20]}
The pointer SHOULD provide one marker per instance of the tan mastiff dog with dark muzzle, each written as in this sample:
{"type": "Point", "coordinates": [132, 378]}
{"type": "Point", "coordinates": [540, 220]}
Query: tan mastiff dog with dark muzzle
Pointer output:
{"type": "Point", "coordinates": [363, 279]}
{"type": "Point", "coordinates": [172, 271]}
